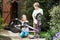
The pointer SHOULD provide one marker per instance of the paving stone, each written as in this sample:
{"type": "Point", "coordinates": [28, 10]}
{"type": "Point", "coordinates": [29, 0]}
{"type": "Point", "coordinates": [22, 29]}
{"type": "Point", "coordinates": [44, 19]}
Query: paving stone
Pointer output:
{"type": "Point", "coordinates": [15, 36]}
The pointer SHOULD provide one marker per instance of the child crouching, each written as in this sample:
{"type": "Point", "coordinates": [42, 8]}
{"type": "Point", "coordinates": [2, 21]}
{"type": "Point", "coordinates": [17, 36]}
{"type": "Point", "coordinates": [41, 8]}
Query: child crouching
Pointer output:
{"type": "Point", "coordinates": [25, 29]}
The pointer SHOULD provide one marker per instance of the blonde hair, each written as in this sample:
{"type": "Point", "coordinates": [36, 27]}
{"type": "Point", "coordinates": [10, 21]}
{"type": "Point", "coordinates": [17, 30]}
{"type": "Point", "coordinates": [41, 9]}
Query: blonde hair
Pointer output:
{"type": "Point", "coordinates": [36, 4]}
{"type": "Point", "coordinates": [24, 17]}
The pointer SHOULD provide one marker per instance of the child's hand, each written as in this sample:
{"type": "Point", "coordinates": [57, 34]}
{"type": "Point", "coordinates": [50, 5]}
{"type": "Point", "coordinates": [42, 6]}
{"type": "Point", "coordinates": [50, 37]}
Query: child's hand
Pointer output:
{"type": "Point", "coordinates": [35, 21]}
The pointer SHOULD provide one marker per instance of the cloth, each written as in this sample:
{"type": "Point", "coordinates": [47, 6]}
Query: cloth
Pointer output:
{"type": "Point", "coordinates": [23, 34]}
{"type": "Point", "coordinates": [35, 12]}
{"type": "Point", "coordinates": [24, 27]}
{"type": "Point", "coordinates": [36, 22]}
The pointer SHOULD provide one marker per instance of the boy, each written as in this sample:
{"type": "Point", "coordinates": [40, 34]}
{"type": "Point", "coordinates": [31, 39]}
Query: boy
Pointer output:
{"type": "Point", "coordinates": [37, 10]}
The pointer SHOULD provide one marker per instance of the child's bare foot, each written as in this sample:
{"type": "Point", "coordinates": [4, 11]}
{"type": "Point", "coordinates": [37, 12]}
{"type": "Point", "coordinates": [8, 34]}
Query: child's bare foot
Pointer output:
{"type": "Point", "coordinates": [28, 36]}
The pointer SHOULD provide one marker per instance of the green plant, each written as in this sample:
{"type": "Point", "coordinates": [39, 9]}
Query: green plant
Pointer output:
{"type": "Point", "coordinates": [54, 22]}
{"type": "Point", "coordinates": [46, 5]}
{"type": "Point", "coordinates": [1, 24]}
{"type": "Point", "coordinates": [43, 34]}
{"type": "Point", "coordinates": [58, 39]}
{"type": "Point", "coordinates": [55, 18]}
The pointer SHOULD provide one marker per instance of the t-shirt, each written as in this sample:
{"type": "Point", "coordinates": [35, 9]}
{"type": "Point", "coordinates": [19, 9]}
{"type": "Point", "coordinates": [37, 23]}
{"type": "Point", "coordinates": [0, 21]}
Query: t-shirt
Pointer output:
{"type": "Point", "coordinates": [25, 29]}
{"type": "Point", "coordinates": [35, 12]}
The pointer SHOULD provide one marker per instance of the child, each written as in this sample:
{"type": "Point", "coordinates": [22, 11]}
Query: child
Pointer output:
{"type": "Point", "coordinates": [35, 12]}
{"type": "Point", "coordinates": [25, 27]}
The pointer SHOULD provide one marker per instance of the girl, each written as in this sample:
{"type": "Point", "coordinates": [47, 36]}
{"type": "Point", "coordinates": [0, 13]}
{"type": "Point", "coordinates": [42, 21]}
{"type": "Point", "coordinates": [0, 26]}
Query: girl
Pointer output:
{"type": "Point", "coordinates": [25, 27]}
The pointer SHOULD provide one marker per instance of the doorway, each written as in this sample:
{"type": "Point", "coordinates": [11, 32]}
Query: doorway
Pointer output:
{"type": "Point", "coordinates": [14, 10]}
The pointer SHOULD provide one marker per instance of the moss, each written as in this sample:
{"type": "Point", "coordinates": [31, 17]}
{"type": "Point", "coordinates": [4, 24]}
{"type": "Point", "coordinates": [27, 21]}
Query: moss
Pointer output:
{"type": "Point", "coordinates": [4, 38]}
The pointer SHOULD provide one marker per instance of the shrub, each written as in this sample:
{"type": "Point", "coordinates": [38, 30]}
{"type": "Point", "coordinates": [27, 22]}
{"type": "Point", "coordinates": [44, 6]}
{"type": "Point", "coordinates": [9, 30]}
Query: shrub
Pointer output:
{"type": "Point", "coordinates": [55, 18]}
{"type": "Point", "coordinates": [54, 22]}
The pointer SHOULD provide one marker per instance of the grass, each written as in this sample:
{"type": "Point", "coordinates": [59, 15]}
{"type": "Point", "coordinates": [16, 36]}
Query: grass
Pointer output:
{"type": "Point", "coordinates": [43, 34]}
